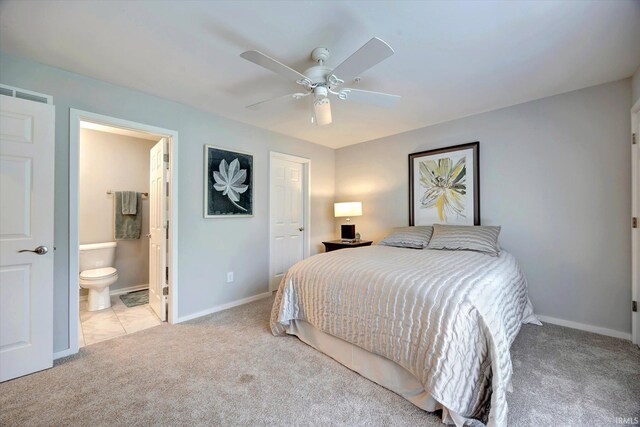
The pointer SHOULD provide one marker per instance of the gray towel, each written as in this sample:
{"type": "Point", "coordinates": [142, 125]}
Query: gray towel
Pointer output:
{"type": "Point", "coordinates": [129, 202]}
{"type": "Point", "coordinates": [126, 227]}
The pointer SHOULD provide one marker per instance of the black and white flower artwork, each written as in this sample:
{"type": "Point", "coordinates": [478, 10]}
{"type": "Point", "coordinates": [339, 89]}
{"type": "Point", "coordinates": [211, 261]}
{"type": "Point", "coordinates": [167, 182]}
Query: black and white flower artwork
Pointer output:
{"type": "Point", "coordinates": [228, 183]}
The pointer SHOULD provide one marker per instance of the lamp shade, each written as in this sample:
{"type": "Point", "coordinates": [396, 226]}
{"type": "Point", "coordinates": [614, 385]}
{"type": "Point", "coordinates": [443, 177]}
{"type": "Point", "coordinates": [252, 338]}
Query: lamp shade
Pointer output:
{"type": "Point", "coordinates": [347, 209]}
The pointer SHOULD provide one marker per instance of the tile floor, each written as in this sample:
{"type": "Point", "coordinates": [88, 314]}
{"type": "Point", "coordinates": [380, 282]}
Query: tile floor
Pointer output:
{"type": "Point", "coordinates": [96, 326]}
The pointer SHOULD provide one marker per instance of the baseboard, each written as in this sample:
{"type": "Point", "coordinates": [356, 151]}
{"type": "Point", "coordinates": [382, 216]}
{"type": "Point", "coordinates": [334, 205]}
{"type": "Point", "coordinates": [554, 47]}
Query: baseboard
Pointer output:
{"type": "Point", "coordinates": [585, 327]}
{"type": "Point", "coordinates": [120, 291]}
{"type": "Point", "coordinates": [224, 306]}
{"type": "Point", "coordinates": [123, 291]}
{"type": "Point", "coordinates": [63, 353]}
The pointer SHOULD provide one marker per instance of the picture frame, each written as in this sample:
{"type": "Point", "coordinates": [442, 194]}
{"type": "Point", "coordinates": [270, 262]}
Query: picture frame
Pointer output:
{"type": "Point", "coordinates": [228, 183]}
{"type": "Point", "coordinates": [444, 185]}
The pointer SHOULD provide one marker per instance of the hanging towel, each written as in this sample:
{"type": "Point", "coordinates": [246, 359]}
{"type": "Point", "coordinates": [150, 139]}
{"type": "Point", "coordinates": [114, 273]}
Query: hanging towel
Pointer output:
{"type": "Point", "coordinates": [126, 227]}
{"type": "Point", "coordinates": [129, 203]}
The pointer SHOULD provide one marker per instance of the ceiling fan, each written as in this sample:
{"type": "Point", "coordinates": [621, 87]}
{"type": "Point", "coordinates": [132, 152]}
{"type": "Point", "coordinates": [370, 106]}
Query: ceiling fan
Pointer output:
{"type": "Point", "coordinates": [322, 81]}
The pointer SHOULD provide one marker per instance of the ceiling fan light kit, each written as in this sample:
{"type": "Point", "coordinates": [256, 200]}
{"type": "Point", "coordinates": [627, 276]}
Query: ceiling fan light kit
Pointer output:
{"type": "Point", "coordinates": [322, 81]}
{"type": "Point", "coordinates": [322, 111]}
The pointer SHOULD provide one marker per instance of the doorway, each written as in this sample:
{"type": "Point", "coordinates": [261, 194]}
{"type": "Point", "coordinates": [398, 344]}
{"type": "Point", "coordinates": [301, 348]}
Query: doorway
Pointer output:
{"type": "Point", "coordinates": [116, 166]}
{"type": "Point", "coordinates": [289, 218]}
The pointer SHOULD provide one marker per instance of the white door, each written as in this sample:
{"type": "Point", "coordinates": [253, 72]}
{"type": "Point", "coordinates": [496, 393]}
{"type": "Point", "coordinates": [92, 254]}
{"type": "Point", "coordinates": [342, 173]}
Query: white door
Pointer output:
{"type": "Point", "coordinates": [26, 223]}
{"type": "Point", "coordinates": [635, 232]}
{"type": "Point", "coordinates": [157, 230]}
{"type": "Point", "coordinates": [287, 217]}
{"type": "Point", "coordinates": [635, 285]}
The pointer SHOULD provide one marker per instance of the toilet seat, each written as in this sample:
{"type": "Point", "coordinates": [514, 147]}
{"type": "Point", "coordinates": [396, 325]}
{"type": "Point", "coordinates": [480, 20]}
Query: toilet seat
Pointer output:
{"type": "Point", "coordinates": [98, 273]}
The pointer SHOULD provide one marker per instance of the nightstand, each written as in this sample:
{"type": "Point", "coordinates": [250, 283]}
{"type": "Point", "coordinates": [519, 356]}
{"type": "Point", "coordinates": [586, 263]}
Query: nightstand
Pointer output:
{"type": "Point", "coordinates": [334, 245]}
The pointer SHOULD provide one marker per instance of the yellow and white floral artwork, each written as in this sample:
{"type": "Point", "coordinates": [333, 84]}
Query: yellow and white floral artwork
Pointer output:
{"type": "Point", "coordinates": [444, 187]}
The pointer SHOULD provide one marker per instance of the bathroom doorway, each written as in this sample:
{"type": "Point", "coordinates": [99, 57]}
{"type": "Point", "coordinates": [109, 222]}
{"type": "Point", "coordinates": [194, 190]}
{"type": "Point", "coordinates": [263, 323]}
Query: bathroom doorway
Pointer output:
{"type": "Point", "coordinates": [123, 265]}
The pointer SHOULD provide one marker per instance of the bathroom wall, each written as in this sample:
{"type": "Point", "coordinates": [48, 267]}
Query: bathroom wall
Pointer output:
{"type": "Point", "coordinates": [635, 86]}
{"type": "Point", "coordinates": [114, 162]}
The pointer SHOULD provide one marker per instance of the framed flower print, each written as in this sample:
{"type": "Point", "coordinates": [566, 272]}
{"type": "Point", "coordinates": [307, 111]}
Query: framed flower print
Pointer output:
{"type": "Point", "coordinates": [444, 186]}
{"type": "Point", "coordinates": [228, 183]}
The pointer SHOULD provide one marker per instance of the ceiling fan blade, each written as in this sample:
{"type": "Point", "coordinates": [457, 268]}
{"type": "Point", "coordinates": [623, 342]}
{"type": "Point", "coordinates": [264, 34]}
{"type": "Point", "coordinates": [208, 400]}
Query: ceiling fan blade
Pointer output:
{"type": "Point", "coordinates": [373, 52]}
{"type": "Point", "coordinates": [271, 64]}
{"type": "Point", "coordinates": [259, 105]}
{"type": "Point", "coordinates": [322, 111]}
{"type": "Point", "coordinates": [369, 97]}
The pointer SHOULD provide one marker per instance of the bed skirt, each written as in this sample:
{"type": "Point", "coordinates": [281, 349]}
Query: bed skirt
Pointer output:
{"type": "Point", "coordinates": [376, 368]}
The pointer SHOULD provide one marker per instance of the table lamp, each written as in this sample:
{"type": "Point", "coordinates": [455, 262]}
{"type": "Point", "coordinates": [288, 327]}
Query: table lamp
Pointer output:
{"type": "Point", "coordinates": [347, 209]}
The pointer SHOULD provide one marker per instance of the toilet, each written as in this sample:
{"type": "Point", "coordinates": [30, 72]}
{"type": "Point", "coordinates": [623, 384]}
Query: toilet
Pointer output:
{"type": "Point", "coordinates": [97, 273]}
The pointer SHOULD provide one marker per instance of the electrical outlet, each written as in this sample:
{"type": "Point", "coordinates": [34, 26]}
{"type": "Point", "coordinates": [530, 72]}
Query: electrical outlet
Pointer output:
{"type": "Point", "coordinates": [230, 277]}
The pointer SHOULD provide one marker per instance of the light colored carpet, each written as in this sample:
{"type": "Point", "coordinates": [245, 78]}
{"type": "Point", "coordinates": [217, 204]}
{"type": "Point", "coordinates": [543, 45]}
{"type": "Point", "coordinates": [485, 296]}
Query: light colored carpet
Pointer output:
{"type": "Point", "coordinates": [227, 369]}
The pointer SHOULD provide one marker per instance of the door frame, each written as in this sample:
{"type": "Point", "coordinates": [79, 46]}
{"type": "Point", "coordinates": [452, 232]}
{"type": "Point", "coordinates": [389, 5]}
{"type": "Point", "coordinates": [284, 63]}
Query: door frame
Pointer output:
{"type": "Point", "coordinates": [75, 117]}
{"type": "Point", "coordinates": [635, 213]}
{"type": "Point", "coordinates": [306, 203]}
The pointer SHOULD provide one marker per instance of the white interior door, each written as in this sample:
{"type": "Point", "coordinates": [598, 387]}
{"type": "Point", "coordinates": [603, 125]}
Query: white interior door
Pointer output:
{"type": "Point", "coordinates": [287, 217]}
{"type": "Point", "coordinates": [26, 223]}
{"type": "Point", "coordinates": [158, 229]}
{"type": "Point", "coordinates": [635, 284]}
{"type": "Point", "coordinates": [635, 232]}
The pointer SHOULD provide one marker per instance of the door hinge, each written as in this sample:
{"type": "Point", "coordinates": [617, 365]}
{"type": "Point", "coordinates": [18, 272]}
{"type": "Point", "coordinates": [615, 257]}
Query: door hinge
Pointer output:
{"type": "Point", "coordinates": [634, 306]}
{"type": "Point", "coordinates": [166, 269]}
{"type": "Point", "coordinates": [633, 138]}
{"type": "Point", "coordinates": [167, 228]}
{"type": "Point", "coordinates": [165, 157]}
{"type": "Point", "coordinates": [165, 291]}
{"type": "Point", "coordinates": [634, 222]}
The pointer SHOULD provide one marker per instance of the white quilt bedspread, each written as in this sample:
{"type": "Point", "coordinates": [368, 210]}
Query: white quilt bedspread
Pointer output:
{"type": "Point", "coordinates": [448, 317]}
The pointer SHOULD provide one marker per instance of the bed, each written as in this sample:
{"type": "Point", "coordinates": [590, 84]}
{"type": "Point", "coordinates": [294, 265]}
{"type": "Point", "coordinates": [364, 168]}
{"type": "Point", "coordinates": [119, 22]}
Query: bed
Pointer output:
{"type": "Point", "coordinates": [433, 326]}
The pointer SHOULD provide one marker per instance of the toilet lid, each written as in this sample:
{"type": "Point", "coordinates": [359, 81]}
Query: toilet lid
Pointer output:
{"type": "Point", "coordinates": [98, 273]}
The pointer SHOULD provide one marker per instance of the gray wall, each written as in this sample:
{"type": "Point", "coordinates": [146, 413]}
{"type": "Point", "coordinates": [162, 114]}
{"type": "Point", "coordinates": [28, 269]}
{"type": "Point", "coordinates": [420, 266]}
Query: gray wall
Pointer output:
{"type": "Point", "coordinates": [208, 248]}
{"type": "Point", "coordinates": [555, 173]}
{"type": "Point", "coordinates": [114, 162]}
{"type": "Point", "coordinates": [635, 87]}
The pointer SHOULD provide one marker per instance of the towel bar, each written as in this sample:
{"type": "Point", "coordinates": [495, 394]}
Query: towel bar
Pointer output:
{"type": "Point", "coordinates": [111, 192]}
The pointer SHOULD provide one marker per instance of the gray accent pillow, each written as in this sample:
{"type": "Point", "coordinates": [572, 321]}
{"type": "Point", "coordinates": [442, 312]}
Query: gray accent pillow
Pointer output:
{"type": "Point", "coordinates": [409, 237]}
{"type": "Point", "coordinates": [466, 237]}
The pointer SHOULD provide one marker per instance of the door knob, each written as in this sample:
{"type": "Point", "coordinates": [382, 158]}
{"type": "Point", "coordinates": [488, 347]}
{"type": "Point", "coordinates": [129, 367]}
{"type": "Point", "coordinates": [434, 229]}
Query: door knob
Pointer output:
{"type": "Point", "coordinates": [40, 250]}
{"type": "Point", "coordinates": [149, 235]}
{"type": "Point", "coordinates": [301, 228]}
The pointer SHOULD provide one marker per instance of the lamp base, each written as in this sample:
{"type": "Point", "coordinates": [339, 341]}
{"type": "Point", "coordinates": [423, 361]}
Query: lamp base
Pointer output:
{"type": "Point", "coordinates": [348, 232]}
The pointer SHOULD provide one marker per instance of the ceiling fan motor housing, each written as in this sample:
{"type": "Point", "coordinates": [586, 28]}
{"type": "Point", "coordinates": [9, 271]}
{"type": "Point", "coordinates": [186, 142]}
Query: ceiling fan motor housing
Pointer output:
{"type": "Point", "coordinates": [317, 74]}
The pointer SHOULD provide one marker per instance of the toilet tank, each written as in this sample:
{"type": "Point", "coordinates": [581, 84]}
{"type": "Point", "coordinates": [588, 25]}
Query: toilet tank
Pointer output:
{"type": "Point", "coordinates": [97, 255]}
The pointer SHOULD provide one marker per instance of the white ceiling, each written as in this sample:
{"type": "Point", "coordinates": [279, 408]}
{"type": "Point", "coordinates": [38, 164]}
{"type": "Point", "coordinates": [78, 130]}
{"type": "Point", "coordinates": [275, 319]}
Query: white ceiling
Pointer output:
{"type": "Point", "coordinates": [452, 58]}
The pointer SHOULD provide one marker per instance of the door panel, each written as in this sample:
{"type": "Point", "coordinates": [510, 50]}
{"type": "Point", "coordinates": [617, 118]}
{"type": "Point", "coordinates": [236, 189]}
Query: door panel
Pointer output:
{"type": "Point", "coordinates": [157, 230]}
{"type": "Point", "coordinates": [287, 217]}
{"type": "Point", "coordinates": [26, 213]}
{"type": "Point", "coordinates": [15, 193]}
{"type": "Point", "coordinates": [15, 321]}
